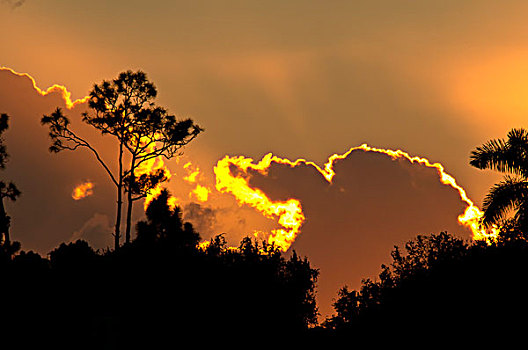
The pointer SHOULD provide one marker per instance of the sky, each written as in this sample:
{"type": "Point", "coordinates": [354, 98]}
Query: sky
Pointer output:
{"type": "Point", "coordinates": [301, 79]}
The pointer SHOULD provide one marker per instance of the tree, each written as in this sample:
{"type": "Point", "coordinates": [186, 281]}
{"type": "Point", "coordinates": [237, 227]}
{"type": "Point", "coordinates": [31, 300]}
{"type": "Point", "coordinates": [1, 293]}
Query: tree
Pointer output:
{"type": "Point", "coordinates": [508, 156]}
{"type": "Point", "coordinates": [124, 108]}
{"type": "Point", "coordinates": [422, 257]}
{"type": "Point", "coordinates": [439, 288]}
{"type": "Point", "coordinates": [165, 224]}
{"type": "Point", "coordinates": [7, 190]}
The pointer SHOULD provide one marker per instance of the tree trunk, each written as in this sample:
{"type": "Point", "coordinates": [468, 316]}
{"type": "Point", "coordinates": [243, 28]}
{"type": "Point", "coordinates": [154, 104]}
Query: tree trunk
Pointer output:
{"type": "Point", "coordinates": [130, 202]}
{"type": "Point", "coordinates": [4, 222]}
{"type": "Point", "coordinates": [117, 233]}
{"type": "Point", "coordinates": [129, 211]}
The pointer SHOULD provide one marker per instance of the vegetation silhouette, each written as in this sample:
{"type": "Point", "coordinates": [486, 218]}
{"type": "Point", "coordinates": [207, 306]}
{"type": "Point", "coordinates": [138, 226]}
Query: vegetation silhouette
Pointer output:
{"type": "Point", "coordinates": [164, 224]}
{"type": "Point", "coordinates": [445, 288]}
{"type": "Point", "coordinates": [8, 190]}
{"type": "Point", "coordinates": [170, 291]}
{"type": "Point", "coordinates": [124, 108]}
{"type": "Point", "coordinates": [509, 156]}
{"type": "Point", "coordinates": [164, 288]}
{"type": "Point", "coordinates": [441, 288]}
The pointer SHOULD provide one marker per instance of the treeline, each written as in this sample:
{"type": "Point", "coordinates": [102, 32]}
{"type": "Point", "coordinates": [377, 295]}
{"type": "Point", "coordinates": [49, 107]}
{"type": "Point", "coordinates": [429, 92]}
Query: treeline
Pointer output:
{"type": "Point", "coordinates": [160, 290]}
{"type": "Point", "coordinates": [163, 289]}
{"type": "Point", "coordinates": [440, 288]}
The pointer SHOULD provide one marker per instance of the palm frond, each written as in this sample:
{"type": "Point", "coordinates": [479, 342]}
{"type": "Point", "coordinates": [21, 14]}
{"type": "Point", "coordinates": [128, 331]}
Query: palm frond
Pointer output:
{"type": "Point", "coordinates": [509, 194]}
{"type": "Point", "coordinates": [509, 156]}
{"type": "Point", "coordinates": [521, 217]}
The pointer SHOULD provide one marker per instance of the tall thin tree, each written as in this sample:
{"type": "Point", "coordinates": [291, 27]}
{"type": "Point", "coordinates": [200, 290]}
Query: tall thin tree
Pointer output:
{"type": "Point", "coordinates": [124, 108]}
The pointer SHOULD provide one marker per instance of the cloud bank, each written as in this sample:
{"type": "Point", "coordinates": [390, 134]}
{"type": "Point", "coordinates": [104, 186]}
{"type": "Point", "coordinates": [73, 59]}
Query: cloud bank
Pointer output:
{"type": "Point", "coordinates": [352, 223]}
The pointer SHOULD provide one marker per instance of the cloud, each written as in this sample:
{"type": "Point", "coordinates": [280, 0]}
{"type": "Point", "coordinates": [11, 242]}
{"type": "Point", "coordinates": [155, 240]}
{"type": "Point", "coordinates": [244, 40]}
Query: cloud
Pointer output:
{"type": "Point", "coordinates": [372, 204]}
{"type": "Point", "coordinates": [202, 217]}
{"type": "Point", "coordinates": [14, 3]}
{"type": "Point", "coordinates": [96, 231]}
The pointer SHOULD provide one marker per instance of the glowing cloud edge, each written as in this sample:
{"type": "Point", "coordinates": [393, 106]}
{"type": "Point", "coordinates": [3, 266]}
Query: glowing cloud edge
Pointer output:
{"type": "Point", "coordinates": [289, 213]}
{"type": "Point", "coordinates": [66, 95]}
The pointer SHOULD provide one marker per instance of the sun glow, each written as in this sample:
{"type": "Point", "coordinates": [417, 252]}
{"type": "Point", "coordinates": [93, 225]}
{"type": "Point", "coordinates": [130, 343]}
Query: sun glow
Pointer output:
{"type": "Point", "coordinates": [200, 192]}
{"type": "Point", "coordinates": [192, 177]}
{"type": "Point", "coordinates": [151, 166]}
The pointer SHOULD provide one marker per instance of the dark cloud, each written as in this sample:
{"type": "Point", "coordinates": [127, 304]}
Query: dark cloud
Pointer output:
{"type": "Point", "coordinates": [97, 230]}
{"type": "Point", "coordinates": [202, 217]}
{"type": "Point", "coordinates": [225, 217]}
{"type": "Point", "coordinates": [14, 3]}
{"type": "Point", "coordinates": [372, 204]}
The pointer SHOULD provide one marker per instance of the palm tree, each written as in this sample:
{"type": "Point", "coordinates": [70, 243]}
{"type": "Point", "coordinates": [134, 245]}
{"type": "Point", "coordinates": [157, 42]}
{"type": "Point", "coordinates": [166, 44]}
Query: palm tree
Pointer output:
{"type": "Point", "coordinates": [509, 156]}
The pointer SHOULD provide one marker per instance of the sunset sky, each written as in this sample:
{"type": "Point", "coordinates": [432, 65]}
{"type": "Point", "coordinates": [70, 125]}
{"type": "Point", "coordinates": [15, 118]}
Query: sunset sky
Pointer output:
{"type": "Point", "coordinates": [301, 79]}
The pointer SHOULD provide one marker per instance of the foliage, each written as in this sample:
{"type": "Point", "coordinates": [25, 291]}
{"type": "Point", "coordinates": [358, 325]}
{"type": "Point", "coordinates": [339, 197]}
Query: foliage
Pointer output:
{"type": "Point", "coordinates": [7, 190]}
{"type": "Point", "coordinates": [509, 156]}
{"type": "Point", "coordinates": [441, 286]}
{"type": "Point", "coordinates": [165, 225]}
{"type": "Point", "coordinates": [125, 109]}
{"type": "Point", "coordinates": [170, 291]}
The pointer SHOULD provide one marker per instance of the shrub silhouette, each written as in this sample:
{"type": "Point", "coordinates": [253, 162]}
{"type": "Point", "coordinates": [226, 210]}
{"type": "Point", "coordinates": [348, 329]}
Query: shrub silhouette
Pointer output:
{"type": "Point", "coordinates": [170, 291]}
{"type": "Point", "coordinates": [7, 191]}
{"type": "Point", "coordinates": [442, 287]}
{"type": "Point", "coordinates": [165, 225]}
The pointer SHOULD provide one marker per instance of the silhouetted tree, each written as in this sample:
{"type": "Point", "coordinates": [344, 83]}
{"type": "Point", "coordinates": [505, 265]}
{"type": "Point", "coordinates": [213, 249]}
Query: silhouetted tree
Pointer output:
{"type": "Point", "coordinates": [510, 231]}
{"type": "Point", "coordinates": [286, 286]}
{"type": "Point", "coordinates": [422, 255]}
{"type": "Point", "coordinates": [7, 190]}
{"type": "Point", "coordinates": [30, 264]}
{"type": "Point", "coordinates": [125, 109]}
{"type": "Point", "coordinates": [509, 156]}
{"type": "Point", "coordinates": [301, 280]}
{"type": "Point", "coordinates": [165, 225]}
{"type": "Point", "coordinates": [73, 256]}
{"type": "Point", "coordinates": [279, 292]}
{"type": "Point", "coordinates": [441, 288]}
{"type": "Point", "coordinates": [169, 291]}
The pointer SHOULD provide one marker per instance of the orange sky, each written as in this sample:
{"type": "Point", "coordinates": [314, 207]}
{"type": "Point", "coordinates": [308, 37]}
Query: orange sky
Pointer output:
{"type": "Point", "coordinates": [301, 79]}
